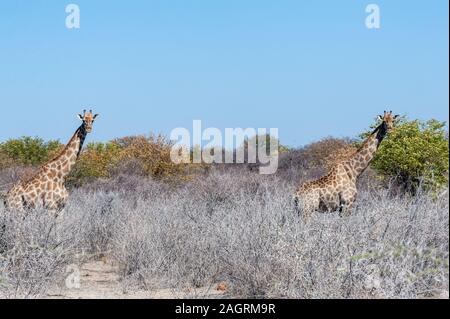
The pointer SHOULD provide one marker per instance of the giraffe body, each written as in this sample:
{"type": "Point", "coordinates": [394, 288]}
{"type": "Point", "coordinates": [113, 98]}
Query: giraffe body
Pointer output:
{"type": "Point", "coordinates": [46, 188]}
{"type": "Point", "coordinates": [337, 190]}
{"type": "Point", "coordinates": [327, 194]}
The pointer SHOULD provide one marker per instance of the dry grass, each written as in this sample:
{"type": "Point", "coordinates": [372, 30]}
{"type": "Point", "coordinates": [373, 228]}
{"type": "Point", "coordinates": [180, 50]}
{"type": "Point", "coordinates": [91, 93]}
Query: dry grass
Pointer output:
{"type": "Point", "coordinates": [234, 228]}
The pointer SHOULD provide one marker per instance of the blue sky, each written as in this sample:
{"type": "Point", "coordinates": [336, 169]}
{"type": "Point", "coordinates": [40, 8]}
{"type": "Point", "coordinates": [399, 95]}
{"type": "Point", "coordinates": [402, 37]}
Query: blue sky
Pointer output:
{"type": "Point", "coordinates": [310, 68]}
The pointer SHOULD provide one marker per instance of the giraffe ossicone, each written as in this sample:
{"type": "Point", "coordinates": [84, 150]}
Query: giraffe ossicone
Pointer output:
{"type": "Point", "coordinates": [46, 188]}
{"type": "Point", "coordinates": [336, 191]}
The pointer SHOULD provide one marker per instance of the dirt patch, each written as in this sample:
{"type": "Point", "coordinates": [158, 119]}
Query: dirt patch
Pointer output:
{"type": "Point", "coordinates": [100, 280]}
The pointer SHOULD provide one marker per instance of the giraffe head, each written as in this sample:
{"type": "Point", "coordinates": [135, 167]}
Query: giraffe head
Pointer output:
{"type": "Point", "coordinates": [88, 120]}
{"type": "Point", "coordinates": [388, 119]}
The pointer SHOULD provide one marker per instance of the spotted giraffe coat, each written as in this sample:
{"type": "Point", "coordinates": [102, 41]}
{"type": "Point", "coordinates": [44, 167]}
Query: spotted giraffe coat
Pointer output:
{"type": "Point", "coordinates": [337, 190]}
{"type": "Point", "coordinates": [46, 188]}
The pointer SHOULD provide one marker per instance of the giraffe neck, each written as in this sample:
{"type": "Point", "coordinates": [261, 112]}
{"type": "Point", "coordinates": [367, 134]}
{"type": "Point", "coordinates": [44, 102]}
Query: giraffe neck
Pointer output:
{"type": "Point", "coordinates": [65, 161]}
{"type": "Point", "coordinates": [362, 158]}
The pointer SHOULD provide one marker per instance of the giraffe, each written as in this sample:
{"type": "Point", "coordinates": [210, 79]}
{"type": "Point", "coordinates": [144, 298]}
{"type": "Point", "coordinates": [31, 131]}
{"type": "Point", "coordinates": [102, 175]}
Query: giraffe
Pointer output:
{"type": "Point", "coordinates": [337, 189]}
{"type": "Point", "coordinates": [46, 187]}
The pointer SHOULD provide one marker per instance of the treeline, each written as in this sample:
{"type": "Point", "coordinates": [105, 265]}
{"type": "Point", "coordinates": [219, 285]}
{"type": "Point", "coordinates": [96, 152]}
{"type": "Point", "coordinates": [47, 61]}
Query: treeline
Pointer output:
{"type": "Point", "coordinates": [415, 154]}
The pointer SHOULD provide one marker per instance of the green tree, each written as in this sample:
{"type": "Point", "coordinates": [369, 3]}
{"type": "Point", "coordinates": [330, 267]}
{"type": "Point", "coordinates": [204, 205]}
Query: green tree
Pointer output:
{"type": "Point", "coordinates": [29, 150]}
{"type": "Point", "coordinates": [415, 154]}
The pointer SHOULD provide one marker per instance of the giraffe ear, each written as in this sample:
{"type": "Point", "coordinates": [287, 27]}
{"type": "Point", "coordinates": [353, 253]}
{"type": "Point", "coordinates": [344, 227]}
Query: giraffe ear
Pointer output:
{"type": "Point", "coordinates": [80, 117]}
{"type": "Point", "coordinates": [95, 116]}
{"type": "Point", "coordinates": [396, 116]}
{"type": "Point", "coordinates": [380, 117]}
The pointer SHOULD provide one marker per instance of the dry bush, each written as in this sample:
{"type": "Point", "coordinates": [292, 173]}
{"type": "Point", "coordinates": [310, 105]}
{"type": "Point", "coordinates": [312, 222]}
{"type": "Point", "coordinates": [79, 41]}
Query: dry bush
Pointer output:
{"type": "Point", "coordinates": [153, 153]}
{"type": "Point", "coordinates": [128, 167]}
{"type": "Point", "coordinates": [13, 174]}
{"type": "Point", "coordinates": [339, 155]}
{"type": "Point", "coordinates": [313, 160]}
{"type": "Point", "coordinates": [229, 230]}
{"type": "Point", "coordinates": [34, 252]}
{"type": "Point", "coordinates": [241, 229]}
{"type": "Point", "coordinates": [132, 155]}
{"type": "Point", "coordinates": [237, 228]}
{"type": "Point", "coordinates": [326, 152]}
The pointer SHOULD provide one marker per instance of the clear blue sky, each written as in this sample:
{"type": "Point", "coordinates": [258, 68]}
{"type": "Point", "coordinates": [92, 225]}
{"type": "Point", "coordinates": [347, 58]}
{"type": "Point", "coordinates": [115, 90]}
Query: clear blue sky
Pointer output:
{"type": "Point", "coordinates": [310, 68]}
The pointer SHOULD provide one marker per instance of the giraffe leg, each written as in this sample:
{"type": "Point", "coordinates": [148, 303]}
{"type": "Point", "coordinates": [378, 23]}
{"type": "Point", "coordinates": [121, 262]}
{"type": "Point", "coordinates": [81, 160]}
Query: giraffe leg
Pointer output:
{"type": "Point", "coordinates": [61, 200]}
{"type": "Point", "coordinates": [296, 205]}
{"type": "Point", "coordinates": [308, 210]}
{"type": "Point", "coordinates": [13, 200]}
{"type": "Point", "coordinates": [64, 197]}
{"type": "Point", "coordinates": [56, 201]}
{"type": "Point", "coordinates": [27, 203]}
{"type": "Point", "coordinates": [53, 206]}
{"type": "Point", "coordinates": [307, 205]}
{"type": "Point", "coordinates": [60, 205]}
{"type": "Point", "coordinates": [346, 209]}
{"type": "Point", "coordinates": [347, 200]}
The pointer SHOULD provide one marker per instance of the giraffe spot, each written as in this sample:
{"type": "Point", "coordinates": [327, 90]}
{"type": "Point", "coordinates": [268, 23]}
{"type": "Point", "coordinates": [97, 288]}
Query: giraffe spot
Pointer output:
{"type": "Point", "coordinates": [52, 174]}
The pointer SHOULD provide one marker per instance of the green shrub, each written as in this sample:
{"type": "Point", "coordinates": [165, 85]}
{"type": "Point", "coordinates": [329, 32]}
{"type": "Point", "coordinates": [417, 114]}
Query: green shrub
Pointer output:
{"type": "Point", "coordinates": [5, 160]}
{"type": "Point", "coordinates": [27, 151]}
{"type": "Point", "coordinates": [415, 154]}
{"type": "Point", "coordinates": [94, 162]}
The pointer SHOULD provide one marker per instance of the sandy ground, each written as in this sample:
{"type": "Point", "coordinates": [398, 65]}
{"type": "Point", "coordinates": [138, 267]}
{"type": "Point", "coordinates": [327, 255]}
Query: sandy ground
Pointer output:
{"type": "Point", "coordinates": [99, 280]}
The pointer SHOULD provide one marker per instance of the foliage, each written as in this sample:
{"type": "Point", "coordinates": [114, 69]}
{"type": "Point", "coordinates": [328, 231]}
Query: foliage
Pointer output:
{"type": "Point", "coordinates": [154, 154]}
{"type": "Point", "coordinates": [415, 154]}
{"type": "Point", "coordinates": [147, 156]}
{"type": "Point", "coordinates": [94, 162]}
{"type": "Point", "coordinates": [5, 160]}
{"type": "Point", "coordinates": [27, 151]}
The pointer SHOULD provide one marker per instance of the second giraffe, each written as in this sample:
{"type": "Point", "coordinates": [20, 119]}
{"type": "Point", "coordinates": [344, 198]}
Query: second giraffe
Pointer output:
{"type": "Point", "coordinates": [337, 190]}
